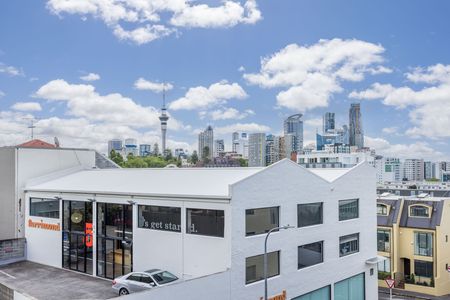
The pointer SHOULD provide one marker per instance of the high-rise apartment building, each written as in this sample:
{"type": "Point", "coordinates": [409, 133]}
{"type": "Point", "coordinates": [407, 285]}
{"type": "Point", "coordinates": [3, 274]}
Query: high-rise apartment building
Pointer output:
{"type": "Point", "coordinates": [144, 150]}
{"type": "Point", "coordinates": [294, 125]}
{"type": "Point", "coordinates": [131, 147]}
{"type": "Point", "coordinates": [356, 136]}
{"type": "Point", "coordinates": [290, 144]}
{"type": "Point", "coordinates": [413, 170]}
{"type": "Point", "coordinates": [328, 122]}
{"type": "Point", "coordinates": [279, 147]}
{"type": "Point", "coordinates": [219, 148]}
{"type": "Point", "coordinates": [256, 149]}
{"type": "Point", "coordinates": [389, 169]}
{"type": "Point", "coordinates": [116, 145]}
{"type": "Point", "coordinates": [428, 170]}
{"type": "Point", "coordinates": [239, 143]}
{"type": "Point", "coordinates": [205, 143]}
{"type": "Point", "coordinates": [271, 155]}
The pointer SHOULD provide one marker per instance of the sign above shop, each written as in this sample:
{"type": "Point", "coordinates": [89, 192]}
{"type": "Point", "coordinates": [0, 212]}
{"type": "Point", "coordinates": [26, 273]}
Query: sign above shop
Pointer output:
{"type": "Point", "coordinates": [42, 225]}
{"type": "Point", "coordinates": [281, 296]}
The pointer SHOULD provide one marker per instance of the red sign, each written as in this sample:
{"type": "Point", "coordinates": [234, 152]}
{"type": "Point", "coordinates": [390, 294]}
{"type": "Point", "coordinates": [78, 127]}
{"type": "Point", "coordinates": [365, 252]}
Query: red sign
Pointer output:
{"type": "Point", "coordinates": [89, 232]}
{"type": "Point", "coordinates": [390, 282]}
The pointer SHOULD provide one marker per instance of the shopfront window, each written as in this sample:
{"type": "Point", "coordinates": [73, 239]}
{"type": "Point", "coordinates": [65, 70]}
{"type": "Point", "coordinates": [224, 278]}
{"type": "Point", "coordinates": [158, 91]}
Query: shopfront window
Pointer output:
{"type": "Point", "coordinates": [45, 208]}
{"type": "Point", "coordinates": [160, 218]}
{"type": "Point", "coordinates": [208, 222]}
{"type": "Point", "coordinates": [320, 294]}
{"type": "Point", "coordinates": [350, 289]}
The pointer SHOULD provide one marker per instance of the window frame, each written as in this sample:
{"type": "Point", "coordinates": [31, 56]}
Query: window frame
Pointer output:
{"type": "Point", "coordinates": [341, 218]}
{"type": "Point", "coordinates": [309, 244]}
{"type": "Point", "coordinates": [348, 236]}
{"type": "Point", "coordinates": [262, 258]}
{"type": "Point", "coordinates": [384, 208]}
{"type": "Point", "coordinates": [142, 206]}
{"type": "Point", "coordinates": [427, 263]}
{"type": "Point", "coordinates": [312, 224]}
{"type": "Point", "coordinates": [413, 206]}
{"type": "Point", "coordinates": [247, 234]}
{"type": "Point", "coordinates": [429, 236]}
{"type": "Point", "coordinates": [188, 229]}
{"type": "Point", "coordinates": [42, 199]}
{"type": "Point", "coordinates": [385, 232]}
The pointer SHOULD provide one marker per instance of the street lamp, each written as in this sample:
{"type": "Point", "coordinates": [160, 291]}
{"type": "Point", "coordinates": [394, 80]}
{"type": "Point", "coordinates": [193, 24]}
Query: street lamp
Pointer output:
{"type": "Point", "coordinates": [265, 255]}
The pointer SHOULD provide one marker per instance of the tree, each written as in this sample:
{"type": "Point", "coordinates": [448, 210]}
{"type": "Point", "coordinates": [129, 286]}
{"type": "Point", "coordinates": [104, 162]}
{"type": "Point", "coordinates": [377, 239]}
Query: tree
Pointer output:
{"type": "Point", "coordinates": [205, 155]}
{"type": "Point", "coordinates": [116, 157]}
{"type": "Point", "coordinates": [135, 162]}
{"type": "Point", "coordinates": [243, 162]}
{"type": "Point", "coordinates": [194, 157]}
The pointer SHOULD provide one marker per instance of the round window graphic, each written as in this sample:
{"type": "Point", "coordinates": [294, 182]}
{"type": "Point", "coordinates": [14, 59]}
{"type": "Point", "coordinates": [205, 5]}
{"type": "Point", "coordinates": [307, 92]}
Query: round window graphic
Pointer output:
{"type": "Point", "coordinates": [76, 217]}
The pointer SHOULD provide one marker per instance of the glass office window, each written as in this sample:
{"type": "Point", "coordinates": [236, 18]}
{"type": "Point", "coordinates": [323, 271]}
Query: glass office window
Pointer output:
{"type": "Point", "coordinates": [350, 289]}
{"type": "Point", "coordinates": [310, 254]}
{"type": "Point", "coordinates": [261, 220]}
{"type": "Point", "coordinates": [205, 222]}
{"type": "Point", "coordinates": [160, 218]}
{"type": "Point", "coordinates": [45, 208]}
{"type": "Point", "coordinates": [348, 209]}
{"type": "Point", "coordinates": [419, 211]}
{"type": "Point", "coordinates": [309, 214]}
{"type": "Point", "coordinates": [320, 294]}
{"type": "Point", "coordinates": [348, 244]}
{"type": "Point", "coordinates": [254, 266]}
{"type": "Point", "coordinates": [383, 240]}
{"type": "Point", "coordinates": [423, 268]}
{"type": "Point", "coordinates": [423, 243]}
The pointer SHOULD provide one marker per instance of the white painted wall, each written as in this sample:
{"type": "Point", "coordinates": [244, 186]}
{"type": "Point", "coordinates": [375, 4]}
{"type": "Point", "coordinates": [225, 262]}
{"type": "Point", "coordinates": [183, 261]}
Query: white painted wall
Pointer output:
{"type": "Point", "coordinates": [286, 184]}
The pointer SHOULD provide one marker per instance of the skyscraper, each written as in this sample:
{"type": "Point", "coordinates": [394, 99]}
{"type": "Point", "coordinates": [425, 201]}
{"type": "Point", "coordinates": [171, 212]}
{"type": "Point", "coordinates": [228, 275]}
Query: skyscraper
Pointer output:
{"type": "Point", "coordinates": [413, 170]}
{"type": "Point", "coordinates": [205, 139]}
{"type": "Point", "coordinates": [328, 122]}
{"type": "Point", "coordinates": [356, 136]}
{"type": "Point", "coordinates": [163, 118]}
{"type": "Point", "coordinates": [116, 145]}
{"type": "Point", "coordinates": [219, 147]}
{"type": "Point", "coordinates": [294, 125]}
{"type": "Point", "coordinates": [256, 149]}
{"type": "Point", "coordinates": [271, 155]}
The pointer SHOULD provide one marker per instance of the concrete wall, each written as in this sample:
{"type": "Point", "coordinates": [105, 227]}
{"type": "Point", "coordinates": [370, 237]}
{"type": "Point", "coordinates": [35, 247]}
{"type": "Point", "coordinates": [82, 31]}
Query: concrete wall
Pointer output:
{"type": "Point", "coordinates": [8, 223]}
{"type": "Point", "coordinates": [286, 184]}
{"type": "Point", "coordinates": [12, 251]}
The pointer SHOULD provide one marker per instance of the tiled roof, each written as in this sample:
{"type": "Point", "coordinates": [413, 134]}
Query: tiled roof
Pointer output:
{"type": "Point", "coordinates": [36, 144]}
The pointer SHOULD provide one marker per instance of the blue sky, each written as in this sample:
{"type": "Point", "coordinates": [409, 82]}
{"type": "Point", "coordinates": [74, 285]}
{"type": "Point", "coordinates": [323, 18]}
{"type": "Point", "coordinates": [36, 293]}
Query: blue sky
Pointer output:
{"type": "Point", "coordinates": [236, 65]}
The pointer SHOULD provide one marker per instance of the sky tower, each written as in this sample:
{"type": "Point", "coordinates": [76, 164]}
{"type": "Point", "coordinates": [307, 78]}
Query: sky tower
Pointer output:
{"type": "Point", "coordinates": [163, 118]}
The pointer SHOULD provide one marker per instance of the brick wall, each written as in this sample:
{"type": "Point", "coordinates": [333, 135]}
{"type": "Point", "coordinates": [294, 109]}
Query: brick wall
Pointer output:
{"type": "Point", "coordinates": [12, 251]}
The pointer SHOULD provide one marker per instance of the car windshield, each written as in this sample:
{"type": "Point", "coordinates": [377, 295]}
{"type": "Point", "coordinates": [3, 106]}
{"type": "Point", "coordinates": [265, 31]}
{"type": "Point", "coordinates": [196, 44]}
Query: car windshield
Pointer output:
{"type": "Point", "coordinates": [164, 277]}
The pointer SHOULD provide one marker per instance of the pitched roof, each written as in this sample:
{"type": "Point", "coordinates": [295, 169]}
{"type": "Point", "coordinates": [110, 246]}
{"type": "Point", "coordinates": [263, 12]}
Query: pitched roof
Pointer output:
{"type": "Point", "coordinates": [36, 143]}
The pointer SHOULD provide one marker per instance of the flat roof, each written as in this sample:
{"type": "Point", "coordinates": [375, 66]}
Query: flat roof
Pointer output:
{"type": "Point", "coordinates": [329, 174]}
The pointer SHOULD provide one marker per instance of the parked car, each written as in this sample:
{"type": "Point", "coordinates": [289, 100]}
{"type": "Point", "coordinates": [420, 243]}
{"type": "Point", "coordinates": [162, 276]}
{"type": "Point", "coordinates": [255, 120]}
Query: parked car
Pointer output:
{"type": "Point", "coordinates": [140, 281]}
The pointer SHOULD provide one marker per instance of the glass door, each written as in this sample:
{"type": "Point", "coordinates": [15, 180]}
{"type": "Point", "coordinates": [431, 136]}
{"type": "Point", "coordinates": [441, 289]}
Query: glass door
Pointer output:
{"type": "Point", "coordinates": [114, 240]}
{"type": "Point", "coordinates": [77, 236]}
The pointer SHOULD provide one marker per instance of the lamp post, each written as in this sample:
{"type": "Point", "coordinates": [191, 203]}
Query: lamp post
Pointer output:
{"type": "Point", "coordinates": [265, 255]}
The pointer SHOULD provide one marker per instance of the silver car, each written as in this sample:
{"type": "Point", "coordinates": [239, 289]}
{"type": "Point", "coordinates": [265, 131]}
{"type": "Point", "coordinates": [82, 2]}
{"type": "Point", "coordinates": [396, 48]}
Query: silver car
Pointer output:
{"type": "Point", "coordinates": [139, 281]}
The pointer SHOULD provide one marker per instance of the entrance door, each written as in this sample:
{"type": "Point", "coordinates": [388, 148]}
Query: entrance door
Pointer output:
{"type": "Point", "coordinates": [77, 236]}
{"type": "Point", "coordinates": [407, 267]}
{"type": "Point", "coordinates": [114, 240]}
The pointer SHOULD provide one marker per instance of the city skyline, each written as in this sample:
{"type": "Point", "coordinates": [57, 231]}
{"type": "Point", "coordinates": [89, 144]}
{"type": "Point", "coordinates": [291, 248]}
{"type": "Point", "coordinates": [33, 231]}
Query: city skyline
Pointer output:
{"type": "Point", "coordinates": [87, 81]}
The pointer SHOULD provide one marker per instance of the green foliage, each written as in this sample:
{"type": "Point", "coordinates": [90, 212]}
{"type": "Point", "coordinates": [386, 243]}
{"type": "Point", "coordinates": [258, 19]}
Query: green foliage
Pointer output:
{"type": "Point", "coordinates": [148, 162]}
{"type": "Point", "coordinates": [194, 157]}
{"type": "Point", "coordinates": [116, 157]}
{"type": "Point", "coordinates": [432, 180]}
{"type": "Point", "coordinates": [206, 154]}
{"type": "Point", "coordinates": [243, 162]}
{"type": "Point", "coordinates": [383, 275]}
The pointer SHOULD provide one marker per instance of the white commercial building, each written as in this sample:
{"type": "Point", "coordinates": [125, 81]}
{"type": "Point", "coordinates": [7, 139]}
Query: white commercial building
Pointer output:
{"type": "Point", "coordinates": [208, 227]}
{"type": "Point", "coordinates": [413, 170]}
{"type": "Point", "coordinates": [257, 150]}
{"type": "Point", "coordinates": [330, 159]}
{"type": "Point", "coordinates": [389, 169]}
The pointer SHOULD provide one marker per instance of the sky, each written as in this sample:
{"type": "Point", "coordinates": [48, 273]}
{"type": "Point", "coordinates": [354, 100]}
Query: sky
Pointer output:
{"type": "Point", "coordinates": [89, 71]}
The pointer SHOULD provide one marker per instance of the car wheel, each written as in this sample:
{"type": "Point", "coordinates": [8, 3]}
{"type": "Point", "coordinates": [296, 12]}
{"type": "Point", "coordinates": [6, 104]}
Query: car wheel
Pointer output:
{"type": "Point", "coordinates": [123, 292]}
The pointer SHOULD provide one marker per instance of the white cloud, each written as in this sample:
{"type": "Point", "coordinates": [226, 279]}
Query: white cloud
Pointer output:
{"type": "Point", "coordinates": [317, 122]}
{"type": "Point", "coordinates": [153, 19]}
{"type": "Point", "coordinates": [27, 106]}
{"type": "Point", "coordinates": [246, 127]}
{"type": "Point", "coordinates": [311, 75]}
{"type": "Point", "coordinates": [2, 94]}
{"type": "Point", "coordinates": [84, 102]}
{"type": "Point", "coordinates": [90, 77]}
{"type": "Point", "coordinates": [157, 87]}
{"type": "Point", "coordinates": [203, 97]}
{"type": "Point", "coordinates": [241, 69]}
{"type": "Point", "coordinates": [390, 130]}
{"type": "Point", "coordinates": [413, 150]}
{"type": "Point", "coordinates": [10, 70]}
{"type": "Point", "coordinates": [226, 114]}
{"type": "Point", "coordinates": [429, 106]}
